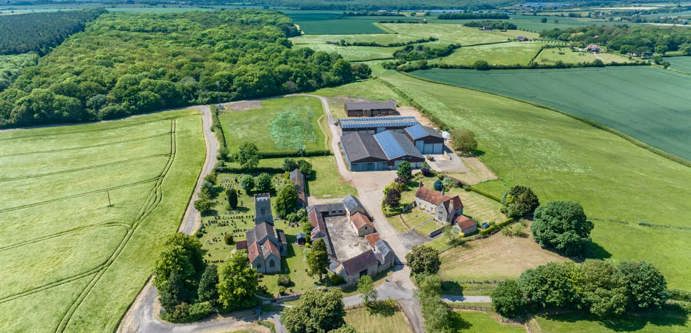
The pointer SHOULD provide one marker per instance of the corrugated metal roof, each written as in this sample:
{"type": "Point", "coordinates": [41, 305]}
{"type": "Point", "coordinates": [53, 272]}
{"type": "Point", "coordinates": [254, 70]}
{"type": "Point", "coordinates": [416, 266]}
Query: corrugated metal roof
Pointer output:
{"type": "Point", "coordinates": [370, 105]}
{"type": "Point", "coordinates": [377, 122]}
{"type": "Point", "coordinates": [418, 132]}
{"type": "Point", "coordinates": [359, 146]}
{"type": "Point", "coordinates": [396, 145]}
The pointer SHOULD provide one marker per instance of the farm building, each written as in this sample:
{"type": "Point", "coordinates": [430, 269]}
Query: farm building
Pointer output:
{"type": "Point", "coordinates": [425, 139]}
{"type": "Point", "coordinates": [465, 225]}
{"type": "Point", "coordinates": [370, 108]}
{"type": "Point", "coordinates": [298, 179]}
{"type": "Point", "coordinates": [443, 207]}
{"type": "Point", "coordinates": [352, 242]}
{"type": "Point", "coordinates": [383, 143]}
{"type": "Point", "coordinates": [593, 48]}
{"type": "Point", "coordinates": [376, 124]}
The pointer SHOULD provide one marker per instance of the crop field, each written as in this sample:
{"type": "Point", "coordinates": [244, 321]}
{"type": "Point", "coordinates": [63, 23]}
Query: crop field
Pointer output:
{"type": "Point", "coordinates": [648, 104]}
{"type": "Point", "coordinates": [550, 56]}
{"type": "Point", "coordinates": [363, 321]}
{"type": "Point", "coordinates": [564, 159]}
{"type": "Point", "coordinates": [480, 322]}
{"type": "Point", "coordinates": [319, 22]}
{"type": "Point", "coordinates": [681, 64]}
{"type": "Point", "coordinates": [277, 125]}
{"type": "Point", "coordinates": [80, 205]}
{"type": "Point", "coordinates": [455, 33]}
{"type": "Point", "coordinates": [512, 53]}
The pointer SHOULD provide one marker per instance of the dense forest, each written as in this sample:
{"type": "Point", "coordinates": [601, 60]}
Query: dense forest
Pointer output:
{"type": "Point", "coordinates": [627, 39]}
{"type": "Point", "coordinates": [11, 65]}
{"type": "Point", "coordinates": [39, 32]}
{"type": "Point", "coordinates": [125, 64]}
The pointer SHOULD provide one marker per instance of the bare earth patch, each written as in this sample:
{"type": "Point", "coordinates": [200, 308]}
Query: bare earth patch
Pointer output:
{"type": "Point", "coordinates": [242, 105]}
{"type": "Point", "coordinates": [494, 258]}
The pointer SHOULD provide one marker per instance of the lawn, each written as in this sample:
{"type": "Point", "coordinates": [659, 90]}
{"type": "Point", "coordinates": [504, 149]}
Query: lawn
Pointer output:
{"type": "Point", "coordinates": [513, 53]}
{"type": "Point", "coordinates": [64, 247]}
{"type": "Point", "coordinates": [327, 182]}
{"type": "Point", "coordinates": [550, 56]}
{"type": "Point", "coordinates": [481, 322]}
{"type": "Point", "coordinates": [455, 33]}
{"type": "Point", "coordinates": [276, 125]}
{"type": "Point", "coordinates": [664, 321]}
{"type": "Point", "coordinates": [363, 321]}
{"type": "Point", "coordinates": [561, 158]}
{"type": "Point", "coordinates": [649, 104]}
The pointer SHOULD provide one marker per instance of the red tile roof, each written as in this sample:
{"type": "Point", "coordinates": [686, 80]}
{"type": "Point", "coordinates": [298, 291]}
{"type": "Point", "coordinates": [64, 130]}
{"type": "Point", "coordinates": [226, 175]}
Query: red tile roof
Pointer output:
{"type": "Point", "coordinates": [372, 238]}
{"type": "Point", "coordinates": [269, 247]}
{"type": "Point", "coordinates": [253, 251]}
{"type": "Point", "coordinates": [360, 220]}
{"type": "Point", "coordinates": [437, 198]}
{"type": "Point", "coordinates": [465, 222]}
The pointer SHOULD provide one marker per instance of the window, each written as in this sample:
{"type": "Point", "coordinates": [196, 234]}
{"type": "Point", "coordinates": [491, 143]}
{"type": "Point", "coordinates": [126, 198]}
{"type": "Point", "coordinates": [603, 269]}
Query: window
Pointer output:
{"type": "Point", "coordinates": [271, 263]}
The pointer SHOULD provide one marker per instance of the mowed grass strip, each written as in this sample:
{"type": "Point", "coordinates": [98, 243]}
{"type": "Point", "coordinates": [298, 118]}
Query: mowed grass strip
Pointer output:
{"type": "Point", "coordinates": [279, 125]}
{"type": "Point", "coordinates": [648, 104]}
{"type": "Point", "coordinates": [56, 226]}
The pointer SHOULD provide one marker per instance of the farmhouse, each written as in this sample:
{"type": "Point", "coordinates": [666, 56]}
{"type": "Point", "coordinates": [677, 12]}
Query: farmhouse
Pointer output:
{"type": "Point", "coordinates": [351, 239]}
{"type": "Point", "coordinates": [383, 143]}
{"type": "Point", "coordinates": [265, 245]}
{"type": "Point", "coordinates": [370, 108]}
{"type": "Point", "coordinates": [465, 225]}
{"type": "Point", "coordinates": [298, 179]}
{"type": "Point", "coordinates": [443, 207]}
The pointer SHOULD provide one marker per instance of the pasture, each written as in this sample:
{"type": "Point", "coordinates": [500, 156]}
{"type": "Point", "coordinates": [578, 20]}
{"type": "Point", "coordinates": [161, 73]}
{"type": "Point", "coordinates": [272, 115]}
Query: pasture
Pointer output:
{"type": "Point", "coordinates": [648, 104]}
{"type": "Point", "coordinates": [512, 53]}
{"type": "Point", "coordinates": [671, 321]}
{"type": "Point", "coordinates": [277, 125]}
{"type": "Point", "coordinates": [455, 33]}
{"type": "Point", "coordinates": [354, 53]}
{"type": "Point", "coordinates": [561, 158]}
{"type": "Point", "coordinates": [64, 247]}
{"type": "Point", "coordinates": [550, 56]}
{"type": "Point", "coordinates": [363, 321]}
{"type": "Point", "coordinates": [481, 322]}
{"type": "Point", "coordinates": [680, 64]}
{"type": "Point", "coordinates": [321, 22]}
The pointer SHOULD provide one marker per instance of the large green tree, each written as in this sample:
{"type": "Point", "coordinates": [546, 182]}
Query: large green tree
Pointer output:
{"type": "Point", "coordinates": [562, 226]}
{"type": "Point", "coordinates": [548, 287]}
{"type": "Point", "coordinates": [365, 287]}
{"type": "Point", "coordinates": [178, 269]}
{"type": "Point", "coordinates": [423, 260]}
{"type": "Point", "coordinates": [286, 200]}
{"type": "Point", "coordinates": [237, 283]}
{"type": "Point", "coordinates": [208, 285]}
{"type": "Point", "coordinates": [507, 299]}
{"type": "Point", "coordinates": [319, 311]}
{"type": "Point", "coordinates": [318, 259]}
{"type": "Point", "coordinates": [646, 287]}
{"type": "Point", "coordinates": [600, 288]}
{"type": "Point", "coordinates": [519, 201]}
{"type": "Point", "coordinates": [248, 155]}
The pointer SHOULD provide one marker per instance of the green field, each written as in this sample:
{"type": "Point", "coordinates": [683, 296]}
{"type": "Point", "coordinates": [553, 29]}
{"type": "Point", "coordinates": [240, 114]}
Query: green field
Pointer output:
{"type": "Point", "coordinates": [319, 22]}
{"type": "Point", "coordinates": [564, 159]}
{"type": "Point", "coordinates": [550, 56]}
{"type": "Point", "coordinates": [276, 125]}
{"type": "Point", "coordinates": [513, 53]}
{"type": "Point", "coordinates": [681, 64]}
{"type": "Point", "coordinates": [666, 321]}
{"type": "Point", "coordinates": [481, 322]}
{"type": "Point", "coordinates": [354, 53]}
{"type": "Point", "coordinates": [64, 249]}
{"type": "Point", "coordinates": [455, 33]}
{"type": "Point", "coordinates": [363, 321]}
{"type": "Point", "coordinates": [648, 104]}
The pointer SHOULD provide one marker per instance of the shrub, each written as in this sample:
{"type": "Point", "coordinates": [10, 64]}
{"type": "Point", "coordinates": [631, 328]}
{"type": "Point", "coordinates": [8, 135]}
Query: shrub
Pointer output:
{"type": "Point", "coordinates": [284, 281]}
{"type": "Point", "coordinates": [247, 183]}
{"type": "Point", "coordinates": [507, 299]}
{"type": "Point", "coordinates": [185, 313]}
{"type": "Point", "coordinates": [464, 142]}
{"type": "Point", "coordinates": [519, 201]}
{"type": "Point", "coordinates": [335, 279]}
{"type": "Point", "coordinates": [228, 239]}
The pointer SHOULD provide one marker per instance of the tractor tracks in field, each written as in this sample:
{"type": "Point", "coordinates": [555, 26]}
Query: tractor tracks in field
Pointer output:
{"type": "Point", "coordinates": [152, 201]}
{"type": "Point", "coordinates": [64, 232]}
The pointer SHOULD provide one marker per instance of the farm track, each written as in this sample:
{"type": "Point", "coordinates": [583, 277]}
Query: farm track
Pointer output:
{"type": "Point", "coordinates": [90, 167]}
{"type": "Point", "coordinates": [105, 144]}
{"type": "Point", "coordinates": [153, 200]}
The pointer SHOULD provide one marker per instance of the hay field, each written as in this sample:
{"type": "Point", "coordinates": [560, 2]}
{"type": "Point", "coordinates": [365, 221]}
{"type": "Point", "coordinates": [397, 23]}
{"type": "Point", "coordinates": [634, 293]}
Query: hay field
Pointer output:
{"type": "Point", "coordinates": [550, 56]}
{"type": "Point", "coordinates": [64, 249]}
{"type": "Point", "coordinates": [512, 53]}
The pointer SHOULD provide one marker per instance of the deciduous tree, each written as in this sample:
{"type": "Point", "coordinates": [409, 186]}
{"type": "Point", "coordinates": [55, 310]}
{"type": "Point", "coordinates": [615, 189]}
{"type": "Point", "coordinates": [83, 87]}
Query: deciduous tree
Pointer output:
{"type": "Point", "coordinates": [248, 155]}
{"type": "Point", "coordinates": [519, 201]}
{"type": "Point", "coordinates": [318, 259]}
{"type": "Point", "coordinates": [563, 226]}
{"type": "Point", "coordinates": [319, 310]}
{"type": "Point", "coordinates": [423, 260]}
{"type": "Point", "coordinates": [237, 283]}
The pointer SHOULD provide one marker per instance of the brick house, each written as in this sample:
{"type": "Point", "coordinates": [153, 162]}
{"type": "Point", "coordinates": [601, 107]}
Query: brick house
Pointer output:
{"type": "Point", "coordinates": [443, 207]}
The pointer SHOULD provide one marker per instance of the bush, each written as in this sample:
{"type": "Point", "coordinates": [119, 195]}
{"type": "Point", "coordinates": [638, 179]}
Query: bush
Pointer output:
{"type": "Point", "coordinates": [519, 201]}
{"type": "Point", "coordinates": [228, 239]}
{"type": "Point", "coordinates": [284, 281]}
{"type": "Point", "coordinates": [185, 313]}
{"type": "Point", "coordinates": [464, 142]}
{"type": "Point", "coordinates": [335, 279]}
{"type": "Point", "coordinates": [507, 299]}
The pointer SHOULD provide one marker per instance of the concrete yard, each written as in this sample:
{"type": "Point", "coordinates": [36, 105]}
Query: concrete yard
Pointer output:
{"type": "Point", "coordinates": [346, 242]}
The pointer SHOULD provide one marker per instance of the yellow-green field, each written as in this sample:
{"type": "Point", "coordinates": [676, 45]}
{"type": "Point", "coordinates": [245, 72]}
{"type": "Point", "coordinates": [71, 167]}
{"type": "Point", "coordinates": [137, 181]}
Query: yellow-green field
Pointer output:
{"type": "Point", "coordinates": [70, 261]}
{"type": "Point", "coordinates": [485, 322]}
{"type": "Point", "coordinates": [513, 53]}
{"type": "Point", "coordinates": [455, 33]}
{"type": "Point", "coordinates": [363, 321]}
{"type": "Point", "coordinates": [550, 56]}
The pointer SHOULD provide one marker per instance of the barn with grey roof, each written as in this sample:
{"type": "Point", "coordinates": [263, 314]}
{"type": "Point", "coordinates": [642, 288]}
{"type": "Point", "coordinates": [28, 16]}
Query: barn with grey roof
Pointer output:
{"type": "Point", "coordinates": [370, 108]}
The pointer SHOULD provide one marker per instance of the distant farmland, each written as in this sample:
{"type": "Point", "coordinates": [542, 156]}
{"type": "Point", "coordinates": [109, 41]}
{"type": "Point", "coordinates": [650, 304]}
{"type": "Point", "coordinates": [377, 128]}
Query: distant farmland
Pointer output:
{"type": "Point", "coordinates": [648, 104]}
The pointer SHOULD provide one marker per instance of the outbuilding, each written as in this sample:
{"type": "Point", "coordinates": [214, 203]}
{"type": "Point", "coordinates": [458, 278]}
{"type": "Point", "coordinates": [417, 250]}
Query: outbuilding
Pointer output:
{"type": "Point", "coordinates": [425, 139]}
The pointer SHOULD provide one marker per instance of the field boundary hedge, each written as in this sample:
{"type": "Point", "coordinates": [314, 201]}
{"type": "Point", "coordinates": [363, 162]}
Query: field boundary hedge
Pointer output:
{"type": "Point", "coordinates": [626, 137]}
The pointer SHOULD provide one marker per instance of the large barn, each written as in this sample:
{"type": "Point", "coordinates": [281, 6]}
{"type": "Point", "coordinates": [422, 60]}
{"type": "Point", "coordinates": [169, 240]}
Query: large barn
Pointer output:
{"type": "Point", "coordinates": [370, 108]}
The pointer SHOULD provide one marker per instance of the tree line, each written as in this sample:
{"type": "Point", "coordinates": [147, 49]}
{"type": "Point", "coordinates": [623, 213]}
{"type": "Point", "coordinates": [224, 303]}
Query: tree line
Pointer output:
{"type": "Point", "coordinates": [627, 39]}
{"type": "Point", "coordinates": [125, 64]}
{"type": "Point", "coordinates": [39, 32]}
{"type": "Point", "coordinates": [473, 16]}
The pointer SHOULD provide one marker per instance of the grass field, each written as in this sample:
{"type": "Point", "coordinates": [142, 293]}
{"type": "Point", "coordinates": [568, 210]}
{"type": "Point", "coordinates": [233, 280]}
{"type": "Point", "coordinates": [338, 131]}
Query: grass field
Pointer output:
{"type": "Point", "coordinates": [648, 104]}
{"type": "Point", "coordinates": [63, 247]}
{"type": "Point", "coordinates": [565, 159]}
{"type": "Point", "coordinates": [681, 64]}
{"type": "Point", "coordinates": [354, 53]}
{"type": "Point", "coordinates": [481, 322]}
{"type": "Point", "coordinates": [665, 321]}
{"type": "Point", "coordinates": [320, 22]}
{"type": "Point", "coordinates": [365, 322]}
{"type": "Point", "coordinates": [513, 53]}
{"type": "Point", "coordinates": [454, 33]}
{"type": "Point", "coordinates": [276, 125]}
{"type": "Point", "coordinates": [550, 56]}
